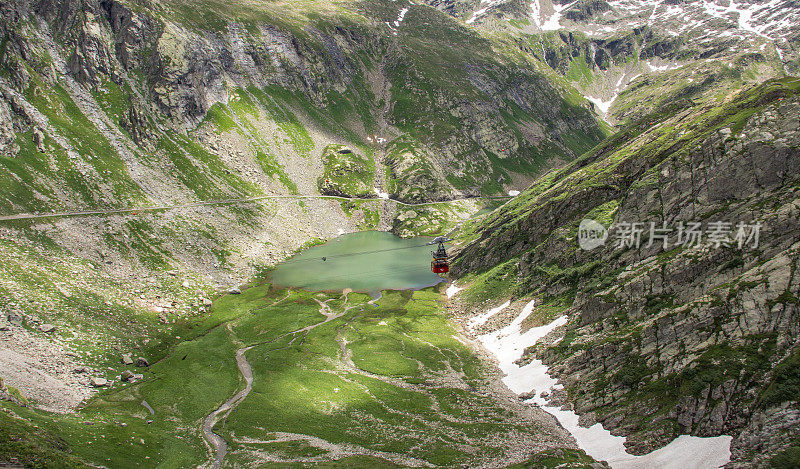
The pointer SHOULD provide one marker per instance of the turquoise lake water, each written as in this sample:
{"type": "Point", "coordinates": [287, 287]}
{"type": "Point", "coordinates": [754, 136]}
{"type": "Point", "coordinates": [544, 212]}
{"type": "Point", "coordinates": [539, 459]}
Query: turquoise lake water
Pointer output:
{"type": "Point", "coordinates": [351, 263]}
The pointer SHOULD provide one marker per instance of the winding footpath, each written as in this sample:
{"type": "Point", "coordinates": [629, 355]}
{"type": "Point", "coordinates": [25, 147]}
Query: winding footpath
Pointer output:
{"type": "Point", "coordinates": [218, 444]}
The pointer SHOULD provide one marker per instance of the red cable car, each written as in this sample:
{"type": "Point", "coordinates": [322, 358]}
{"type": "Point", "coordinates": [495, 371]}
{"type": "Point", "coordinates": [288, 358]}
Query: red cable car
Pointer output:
{"type": "Point", "coordinates": [440, 263]}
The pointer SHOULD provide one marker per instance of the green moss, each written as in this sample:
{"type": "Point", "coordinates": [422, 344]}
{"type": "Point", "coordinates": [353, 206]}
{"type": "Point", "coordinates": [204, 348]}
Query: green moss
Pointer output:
{"type": "Point", "coordinates": [656, 303]}
{"type": "Point", "coordinates": [202, 172]}
{"type": "Point", "coordinates": [717, 364]}
{"type": "Point", "coordinates": [574, 273]}
{"type": "Point", "coordinates": [287, 121]}
{"type": "Point", "coordinates": [497, 282]}
{"type": "Point", "coordinates": [55, 103]}
{"type": "Point", "coordinates": [785, 383]}
{"type": "Point", "coordinates": [788, 458]}
{"type": "Point", "coordinates": [786, 298]}
{"type": "Point", "coordinates": [579, 71]}
{"type": "Point", "coordinates": [14, 392]}
{"type": "Point", "coordinates": [410, 174]}
{"type": "Point", "coordinates": [220, 116]}
{"type": "Point", "coordinates": [148, 244]}
{"type": "Point", "coordinates": [560, 458]}
{"type": "Point", "coordinates": [633, 372]}
{"type": "Point", "coordinates": [22, 176]}
{"type": "Point", "coordinates": [113, 99]}
{"type": "Point", "coordinates": [519, 23]}
{"type": "Point", "coordinates": [369, 209]}
{"type": "Point", "coordinates": [270, 165]}
{"type": "Point", "coordinates": [23, 442]}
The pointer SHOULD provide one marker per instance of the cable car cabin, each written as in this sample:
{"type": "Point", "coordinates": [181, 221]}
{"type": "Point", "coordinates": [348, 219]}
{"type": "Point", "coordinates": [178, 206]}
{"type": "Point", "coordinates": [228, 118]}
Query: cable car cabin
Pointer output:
{"type": "Point", "coordinates": [440, 266]}
{"type": "Point", "coordinates": [440, 263]}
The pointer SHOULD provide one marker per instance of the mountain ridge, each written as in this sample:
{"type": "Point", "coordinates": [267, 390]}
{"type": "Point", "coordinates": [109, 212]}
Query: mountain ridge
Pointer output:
{"type": "Point", "coordinates": [663, 342]}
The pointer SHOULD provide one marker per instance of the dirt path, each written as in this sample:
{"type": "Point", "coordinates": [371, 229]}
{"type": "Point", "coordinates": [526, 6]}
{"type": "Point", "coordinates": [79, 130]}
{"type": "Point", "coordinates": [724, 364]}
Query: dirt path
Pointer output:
{"type": "Point", "coordinates": [218, 444]}
{"type": "Point", "coordinates": [148, 407]}
{"type": "Point", "coordinates": [248, 200]}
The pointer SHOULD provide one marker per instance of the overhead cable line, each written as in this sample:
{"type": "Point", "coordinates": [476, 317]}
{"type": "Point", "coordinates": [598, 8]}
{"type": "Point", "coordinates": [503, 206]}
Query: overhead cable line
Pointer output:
{"type": "Point", "coordinates": [360, 253]}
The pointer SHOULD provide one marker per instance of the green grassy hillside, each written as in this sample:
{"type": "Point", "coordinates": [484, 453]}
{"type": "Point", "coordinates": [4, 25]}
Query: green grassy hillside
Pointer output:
{"type": "Point", "coordinates": [396, 364]}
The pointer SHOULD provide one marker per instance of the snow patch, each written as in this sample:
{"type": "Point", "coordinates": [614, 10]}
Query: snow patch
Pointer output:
{"type": "Point", "coordinates": [452, 290]}
{"type": "Point", "coordinates": [662, 68]}
{"type": "Point", "coordinates": [771, 19]}
{"type": "Point", "coordinates": [480, 320]}
{"type": "Point", "coordinates": [396, 23]}
{"type": "Point", "coordinates": [685, 452]}
{"type": "Point", "coordinates": [602, 105]}
{"type": "Point", "coordinates": [400, 17]}
{"type": "Point", "coordinates": [553, 22]}
{"type": "Point", "coordinates": [485, 5]}
{"type": "Point", "coordinates": [513, 193]}
{"type": "Point", "coordinates": [780, 52]}
{"type": "Point", "coordinates": [535, 12]}
{"type": "Point", "coordinates": [381, 195]}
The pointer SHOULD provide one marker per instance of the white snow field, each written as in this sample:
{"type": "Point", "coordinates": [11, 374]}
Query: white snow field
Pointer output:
{"type": "Point", "coordinates": [452, 289]}
{"type": "Point", "coordinates": [551, 23]}
{"type": "Point", "coordinates": [602, 105]}
{"type": "Point", "coordinates": [508, 344]}
{"type": "Point", "coordinates": [480, 320]}
{"type": "Point", "coordinates": [484, 6]}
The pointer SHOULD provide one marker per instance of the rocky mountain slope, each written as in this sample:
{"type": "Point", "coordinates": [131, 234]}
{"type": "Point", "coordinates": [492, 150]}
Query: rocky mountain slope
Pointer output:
{"type": "Point", "coordinates": [667, 334]}
{"type": "Point", "coordinates": [109, 105]}
{"type": "Point", "coordinates": [162, 152]}
{"type": "Point", "coordinates": [630, 57]}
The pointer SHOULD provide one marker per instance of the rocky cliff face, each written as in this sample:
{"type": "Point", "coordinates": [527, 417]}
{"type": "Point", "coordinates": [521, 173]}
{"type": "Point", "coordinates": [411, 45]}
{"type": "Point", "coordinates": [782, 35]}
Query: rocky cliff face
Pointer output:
{"type": "Point", "coordinates": [143, 103]}
{"type": "Point", "coordinates": [666, 340]}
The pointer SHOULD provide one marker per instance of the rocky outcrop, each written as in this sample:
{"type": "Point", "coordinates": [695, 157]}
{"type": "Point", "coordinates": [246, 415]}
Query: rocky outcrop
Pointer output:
{"type": "Point", "coordinates": [766, 434]}
{"type": "Point", "coordinates": [8, 147]}
{"type": "Point", "coordinates": [457, 8]}
{"type": "Point", "coordinates": [584, 10]}
{"type": "Point", "coordinates": [346, 173]}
